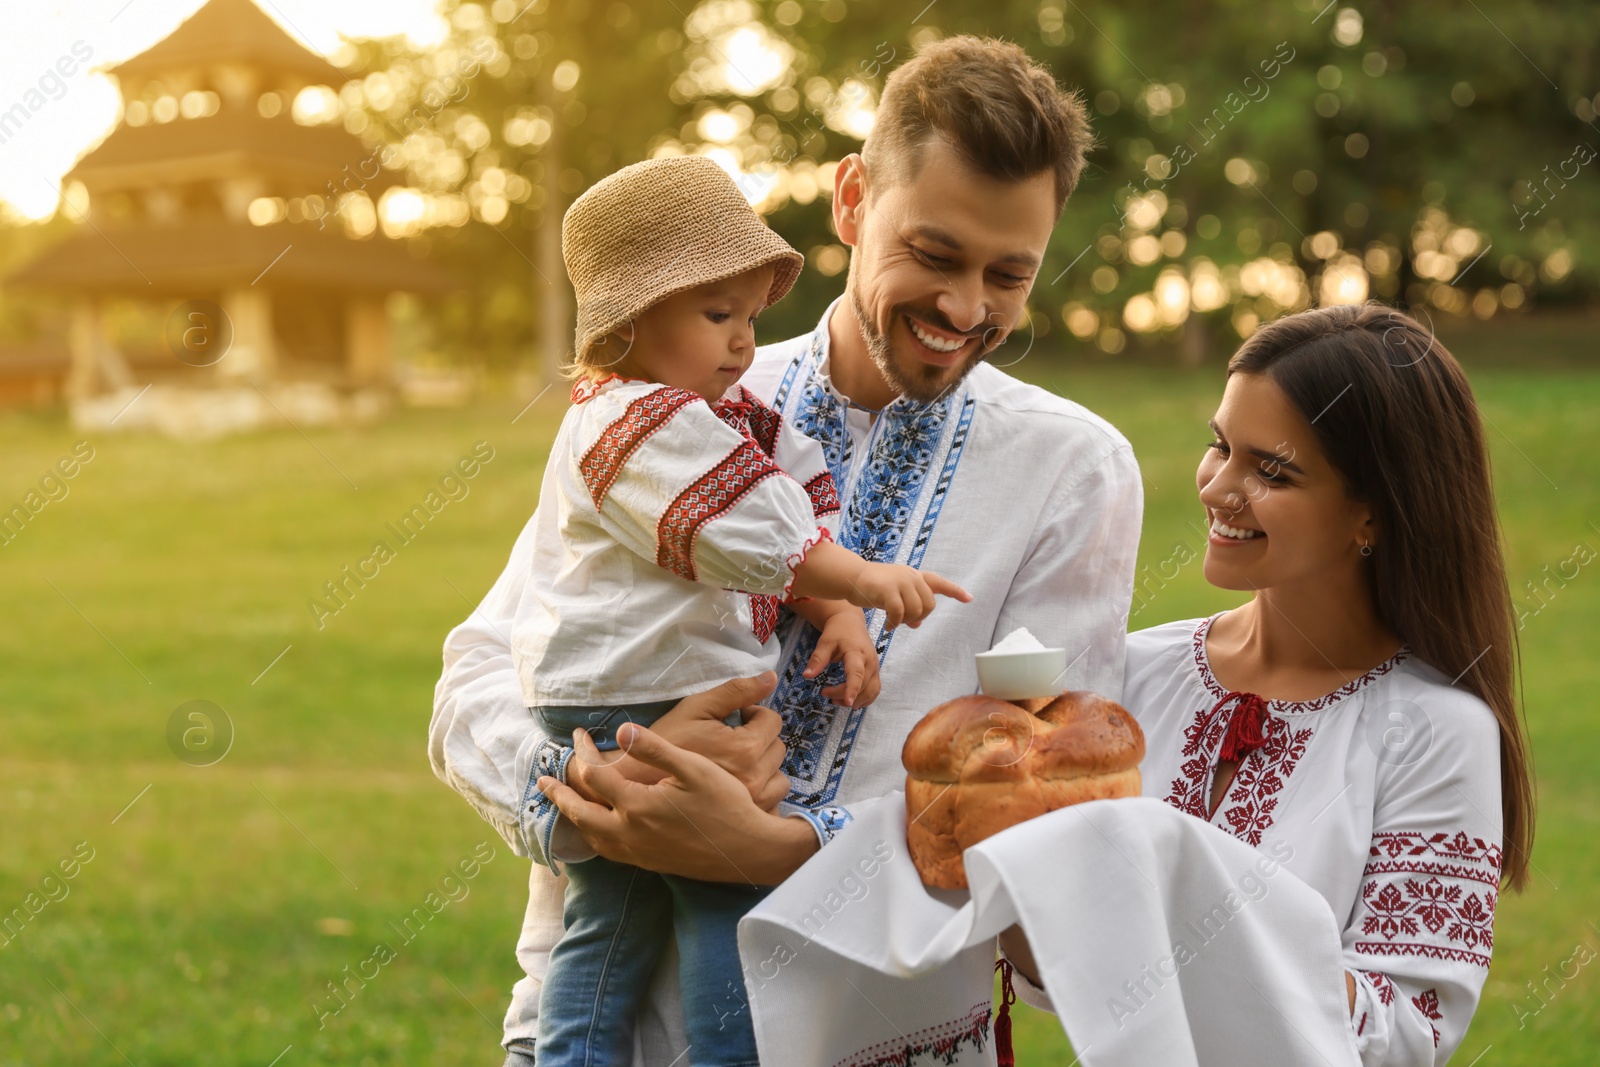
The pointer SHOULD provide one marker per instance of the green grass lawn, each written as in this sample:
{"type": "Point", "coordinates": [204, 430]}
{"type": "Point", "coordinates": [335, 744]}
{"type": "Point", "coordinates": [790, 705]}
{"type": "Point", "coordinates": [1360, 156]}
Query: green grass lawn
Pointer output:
{"type": "Point", "coordinates": [220, 900]}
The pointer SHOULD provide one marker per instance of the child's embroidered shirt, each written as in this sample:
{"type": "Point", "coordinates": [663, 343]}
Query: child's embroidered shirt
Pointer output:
{"type": "Point", "coordinates": [666, 536]}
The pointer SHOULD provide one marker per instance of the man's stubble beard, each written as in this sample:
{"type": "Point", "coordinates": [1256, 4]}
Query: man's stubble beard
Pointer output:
{"type": "Point", "coordinates": [929, 383]}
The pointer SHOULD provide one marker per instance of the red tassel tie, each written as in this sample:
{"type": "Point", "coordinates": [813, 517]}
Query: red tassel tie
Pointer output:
{"type": "Point", "coordinates": [1002, 1019]}
{"type": "Point", "coordinates": [1247, 729]}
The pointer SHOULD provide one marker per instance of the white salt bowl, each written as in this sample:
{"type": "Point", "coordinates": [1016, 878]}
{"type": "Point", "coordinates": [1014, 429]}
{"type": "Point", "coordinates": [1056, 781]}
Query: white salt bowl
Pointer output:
{"type": "Point", "coordinates": [1020, 675]}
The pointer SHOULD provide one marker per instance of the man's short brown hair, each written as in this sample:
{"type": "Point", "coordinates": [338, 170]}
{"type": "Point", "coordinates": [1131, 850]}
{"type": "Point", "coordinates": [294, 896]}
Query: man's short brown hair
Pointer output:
{"type": "Point", "coordinates": [990, 101]}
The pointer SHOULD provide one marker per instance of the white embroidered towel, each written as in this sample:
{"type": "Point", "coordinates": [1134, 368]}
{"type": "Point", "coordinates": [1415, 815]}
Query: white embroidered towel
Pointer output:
{"type": "Point", "coordinates": [1160, 940]}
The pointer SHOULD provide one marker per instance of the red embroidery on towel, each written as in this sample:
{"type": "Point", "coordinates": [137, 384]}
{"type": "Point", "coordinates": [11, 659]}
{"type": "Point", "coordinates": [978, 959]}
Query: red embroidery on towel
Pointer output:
{"type": "Point", "coordinates": [941, 1041]}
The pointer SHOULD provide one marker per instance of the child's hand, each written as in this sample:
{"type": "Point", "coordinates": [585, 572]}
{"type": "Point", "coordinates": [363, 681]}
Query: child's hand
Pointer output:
{"type": "Point", "coordinates": [904, 593]}
{"type": "Point", "coordinates": [844, 640]}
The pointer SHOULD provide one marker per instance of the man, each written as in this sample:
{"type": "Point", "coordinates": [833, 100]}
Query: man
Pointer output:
{"type": "Point", "coordinates": [942, 461]}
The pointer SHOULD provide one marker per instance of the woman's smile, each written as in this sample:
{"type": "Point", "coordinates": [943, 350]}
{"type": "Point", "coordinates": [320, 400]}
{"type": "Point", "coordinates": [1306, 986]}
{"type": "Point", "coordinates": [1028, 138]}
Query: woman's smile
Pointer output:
{"type": "Point", "coordinates": [1223, 533]}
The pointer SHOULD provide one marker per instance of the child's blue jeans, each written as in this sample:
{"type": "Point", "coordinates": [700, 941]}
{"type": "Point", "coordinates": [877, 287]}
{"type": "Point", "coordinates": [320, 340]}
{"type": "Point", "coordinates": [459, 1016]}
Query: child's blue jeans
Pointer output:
{"type": "Point", "coordinates": [617, 918]}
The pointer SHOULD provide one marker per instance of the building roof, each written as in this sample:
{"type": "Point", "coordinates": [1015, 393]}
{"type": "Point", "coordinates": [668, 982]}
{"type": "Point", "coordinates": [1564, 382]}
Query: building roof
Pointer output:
{"type": "Point", "coordinates": [225, 31]}
{"type": "Point", "coordinates": [232, 144]}
{"type": "Point", "coordinates": [204, 256]}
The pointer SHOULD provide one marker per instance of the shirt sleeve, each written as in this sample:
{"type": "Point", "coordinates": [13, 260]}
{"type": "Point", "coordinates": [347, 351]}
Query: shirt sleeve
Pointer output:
{"type": "Point", "coordinates": [482, 742]}
{"type": "Point", "coordinates": [1422, 929]}
{"type": "Point", "coordinates": [825, 820]}
{"type": "Point", "coordinates": [678, 486]}
{"type": "Point", "coordinates": [1075, 585]}
{"type": "Point", "coordinates": [802, 458]}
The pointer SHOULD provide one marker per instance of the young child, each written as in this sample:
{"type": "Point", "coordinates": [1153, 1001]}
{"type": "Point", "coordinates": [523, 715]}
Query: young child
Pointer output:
{"type": "Point", "coordinates": [676, 515]}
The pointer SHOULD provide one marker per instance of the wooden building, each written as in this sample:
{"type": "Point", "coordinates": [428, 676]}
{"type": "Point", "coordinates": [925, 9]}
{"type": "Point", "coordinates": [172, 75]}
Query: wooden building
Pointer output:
{"type": "Point", "coordinates": [209, 191]}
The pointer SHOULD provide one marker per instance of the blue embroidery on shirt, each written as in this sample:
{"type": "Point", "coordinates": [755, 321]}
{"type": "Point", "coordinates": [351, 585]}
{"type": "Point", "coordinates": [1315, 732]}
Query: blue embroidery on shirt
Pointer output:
{"type": "Point", "coordinates": [828, 820]}
{"type": "Point", "coordinates": [813, 350]}
{"type": "Point", "coordinates": [550, 758]}
{"type": "Point", "coordinates": [820, 417]}
{"type": "Point", "coordinates": [908, 442]}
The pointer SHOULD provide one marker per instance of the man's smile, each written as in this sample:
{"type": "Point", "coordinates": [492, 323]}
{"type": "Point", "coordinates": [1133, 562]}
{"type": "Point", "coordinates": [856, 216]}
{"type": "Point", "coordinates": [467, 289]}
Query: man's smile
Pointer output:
{"type": "Point", "coordinates": [938, 346]}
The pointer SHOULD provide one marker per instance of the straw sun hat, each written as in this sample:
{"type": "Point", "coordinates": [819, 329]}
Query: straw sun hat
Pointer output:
{"type": "Point", "coordinates": [657, 228]}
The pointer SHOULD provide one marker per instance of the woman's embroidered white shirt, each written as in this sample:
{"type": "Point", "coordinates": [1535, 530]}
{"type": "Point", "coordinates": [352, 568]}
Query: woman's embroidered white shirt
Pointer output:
{"type": "Point", "coordinates": [1388, 792]}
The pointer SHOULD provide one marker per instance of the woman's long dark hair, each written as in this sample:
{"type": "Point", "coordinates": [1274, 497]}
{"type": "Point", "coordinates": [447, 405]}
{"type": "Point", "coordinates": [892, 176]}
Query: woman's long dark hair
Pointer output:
{"type": "Point", "coordinates": [1394, 414]}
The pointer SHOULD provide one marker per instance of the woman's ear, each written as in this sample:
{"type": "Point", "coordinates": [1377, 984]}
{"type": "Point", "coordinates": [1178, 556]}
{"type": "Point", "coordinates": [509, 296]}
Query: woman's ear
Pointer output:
{"type": "Point", "coordinates": [849, 197]}
{"type": "Point", "coordinates": [1368, 531]}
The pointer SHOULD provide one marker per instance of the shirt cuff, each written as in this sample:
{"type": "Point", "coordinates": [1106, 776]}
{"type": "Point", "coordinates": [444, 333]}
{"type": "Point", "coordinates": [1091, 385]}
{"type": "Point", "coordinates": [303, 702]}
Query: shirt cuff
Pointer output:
{"type": "Point", "coordinates": [1370, 1019]}
{"type": "Point", "coordinates": [827, 820]}
{"type": "Point", "coordinates": [797, 558]}
{"type": "Point", "coordinates": [545, 833]}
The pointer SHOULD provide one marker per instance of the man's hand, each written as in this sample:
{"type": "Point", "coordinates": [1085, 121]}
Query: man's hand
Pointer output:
{"type": "Point", "coordinates": [698, 821]}
{"type": "Point", "coordinates": [751, 753]}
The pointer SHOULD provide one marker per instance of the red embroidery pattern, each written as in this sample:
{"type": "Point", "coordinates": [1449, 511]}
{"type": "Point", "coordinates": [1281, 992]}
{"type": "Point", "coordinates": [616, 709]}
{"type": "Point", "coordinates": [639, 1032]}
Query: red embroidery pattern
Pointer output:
{"type": "Point", "coordinates": [1260, 778]}
{"type": "Point", "coordinates": [744, 411]}
{"type": "Point", "coordinates": [1399, 911]}
{"type": "Point", "coordinates": [1251, 802]}
{"type": "Point", "coordinates": [1382, 986]}
{"type": "Point", "coordinates": [1417, 853]}
{"type": "Point", "coordinates": [1427, 1003]}
{"type": "Point", "coordinates": [1201, 740]}
{"type": "Point", "coordinates": [763, 615]}
{"type": "Point", "coordinates": [1289, 707]}
{"type": "Point", "coordinates": [643, 417]}
{"type": "Point", "coordinates": [824, 495]}
{"type": "Point", "coordinates": [940, 1042]}
{"type": "Point", "coordinates": [763, 422]}
{"type": "Point", "coordinates": [706, 498]}
{"type": "Point", "coordinates": [1248, 809]}
{"type": "Point", "coordinates": [1411, 885]}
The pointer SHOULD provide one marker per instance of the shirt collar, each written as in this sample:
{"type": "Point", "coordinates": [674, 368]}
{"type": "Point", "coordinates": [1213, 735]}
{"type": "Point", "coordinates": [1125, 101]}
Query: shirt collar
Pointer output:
{"type": "Point", "coordinates": [588, 388]}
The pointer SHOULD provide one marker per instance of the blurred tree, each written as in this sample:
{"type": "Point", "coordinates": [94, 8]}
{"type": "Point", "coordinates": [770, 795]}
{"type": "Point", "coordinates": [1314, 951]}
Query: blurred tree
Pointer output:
{"type": "Point", "coordinates": [1257, 159]}
{"type": "Point", "coordinates": [1252, 159]}
{"type": "Point", "coordinates": [524, 105]}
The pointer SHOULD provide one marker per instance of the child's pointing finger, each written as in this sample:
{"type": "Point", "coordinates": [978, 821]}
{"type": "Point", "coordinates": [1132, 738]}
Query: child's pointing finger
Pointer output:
{"type": "Point", "coordinates": [942, 585]}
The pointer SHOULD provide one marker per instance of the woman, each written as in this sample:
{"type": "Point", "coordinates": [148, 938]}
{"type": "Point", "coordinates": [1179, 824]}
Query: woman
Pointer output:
{"type": "Point", "coordinates": [1360, 708]}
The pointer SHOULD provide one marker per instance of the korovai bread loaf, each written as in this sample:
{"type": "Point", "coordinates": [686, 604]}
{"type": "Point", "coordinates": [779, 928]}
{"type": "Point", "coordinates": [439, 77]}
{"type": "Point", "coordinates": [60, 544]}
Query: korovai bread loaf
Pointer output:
{"type": "Point", "coordinates": [977, 765]}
